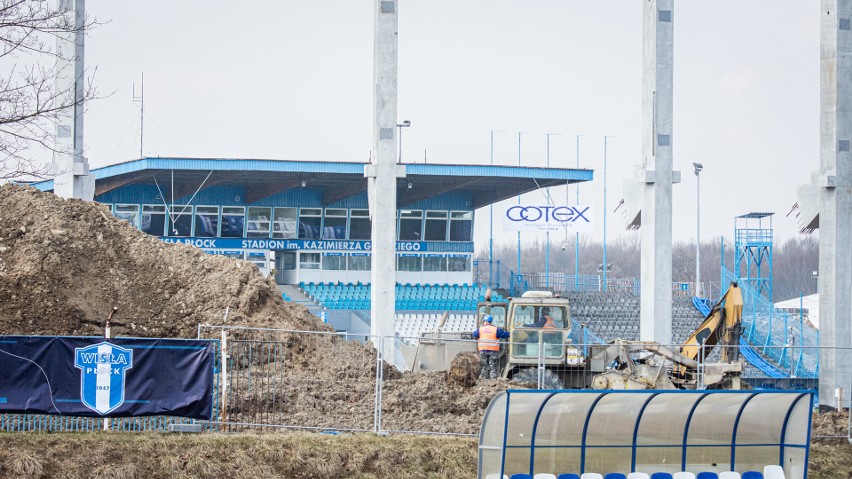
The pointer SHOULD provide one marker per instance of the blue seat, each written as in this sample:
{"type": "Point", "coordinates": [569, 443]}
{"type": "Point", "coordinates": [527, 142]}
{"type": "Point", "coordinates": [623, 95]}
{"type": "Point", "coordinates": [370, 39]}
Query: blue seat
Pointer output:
{"type": "Point", "coordinates": [615, 475]}
{"type": "Point", "coordinates": [707, 475]}
{"type": "Point", "coordinates": [568, 475]}
{"type": "Point", "coordinates": [661, 475]}
{"type": "Point", "coordinates": [752, 475]}
{"type": "Point", "coordinates": [520, 476]}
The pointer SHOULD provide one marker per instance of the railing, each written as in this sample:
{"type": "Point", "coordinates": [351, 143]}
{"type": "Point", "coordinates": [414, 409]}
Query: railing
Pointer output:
{"type": "Point", "coordinates": [772, 332]}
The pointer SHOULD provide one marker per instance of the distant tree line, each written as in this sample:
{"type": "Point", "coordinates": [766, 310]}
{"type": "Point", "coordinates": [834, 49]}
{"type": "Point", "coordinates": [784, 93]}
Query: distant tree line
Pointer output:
{"type": "Point", "coordinates": [793, 260]}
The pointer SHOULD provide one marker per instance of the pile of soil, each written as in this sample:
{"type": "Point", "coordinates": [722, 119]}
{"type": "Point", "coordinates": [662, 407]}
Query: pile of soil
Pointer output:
{"type": "Point", "coordinates": [64, 265]}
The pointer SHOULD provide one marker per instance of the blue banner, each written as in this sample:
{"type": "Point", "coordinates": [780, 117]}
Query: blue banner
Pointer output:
{"type": "Point", "coordinates": [120, 377]}
{"type": "Point", "coordinates": [292, 244]}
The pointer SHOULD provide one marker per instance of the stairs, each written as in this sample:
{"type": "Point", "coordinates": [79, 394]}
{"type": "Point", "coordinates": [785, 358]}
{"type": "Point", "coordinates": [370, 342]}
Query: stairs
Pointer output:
{"type": "Point", "coordinates": [297, 296]}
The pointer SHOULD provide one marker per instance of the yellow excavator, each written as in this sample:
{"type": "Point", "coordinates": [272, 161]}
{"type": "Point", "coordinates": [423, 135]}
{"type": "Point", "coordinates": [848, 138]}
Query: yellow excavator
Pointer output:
{"type": "Point", "coordinates": [647, 365]}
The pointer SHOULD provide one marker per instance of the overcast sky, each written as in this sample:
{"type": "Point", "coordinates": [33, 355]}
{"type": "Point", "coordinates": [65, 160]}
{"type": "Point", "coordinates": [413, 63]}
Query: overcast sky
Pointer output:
{"type": "Point", "coordinates": [293, 80]}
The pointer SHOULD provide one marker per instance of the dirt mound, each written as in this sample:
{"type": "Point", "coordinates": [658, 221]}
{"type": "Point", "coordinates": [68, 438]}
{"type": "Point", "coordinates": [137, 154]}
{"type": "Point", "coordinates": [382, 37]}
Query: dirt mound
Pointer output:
{"type": "Point", "coordinates": [64, 264]}
{"type": "Point", "coordinates": [464, 370]}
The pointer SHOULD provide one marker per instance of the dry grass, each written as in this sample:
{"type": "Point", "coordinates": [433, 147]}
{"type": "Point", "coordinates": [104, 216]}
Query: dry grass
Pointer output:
{"type": "Point", "coordinates": [254, 456]}
{"type": "Point", "coordinates": [272, 455]}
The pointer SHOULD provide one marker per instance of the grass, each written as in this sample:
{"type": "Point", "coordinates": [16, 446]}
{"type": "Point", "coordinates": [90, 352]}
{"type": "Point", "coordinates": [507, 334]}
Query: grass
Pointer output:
{"type": "Point", "coordinates": [287, 455]}
{"type": "Point", "coordinates": [103, 455]}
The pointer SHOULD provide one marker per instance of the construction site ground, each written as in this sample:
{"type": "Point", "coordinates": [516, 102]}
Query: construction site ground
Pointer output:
{"type": "Point", "coordinates": [65, 264]}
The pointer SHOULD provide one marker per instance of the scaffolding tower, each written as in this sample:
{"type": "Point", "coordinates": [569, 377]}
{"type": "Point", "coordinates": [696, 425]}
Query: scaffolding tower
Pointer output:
{"type": "Point", "coordinates": [753, 251]}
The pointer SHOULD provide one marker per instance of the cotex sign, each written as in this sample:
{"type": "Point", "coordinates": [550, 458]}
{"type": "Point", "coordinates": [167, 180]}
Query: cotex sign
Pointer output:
{"type": "Point", "coordinates": [547, 218]}
{"type": "Point", "coordinates": [118, 377]}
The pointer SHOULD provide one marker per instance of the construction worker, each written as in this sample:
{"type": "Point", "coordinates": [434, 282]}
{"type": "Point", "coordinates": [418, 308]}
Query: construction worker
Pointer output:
{"type": "Point", "coordinates": [488, 337]}
{"type": "Point", "coordinates": [545, 321]}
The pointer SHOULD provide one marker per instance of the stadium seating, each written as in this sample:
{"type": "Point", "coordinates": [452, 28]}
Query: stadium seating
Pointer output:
{"type": "Point", "coordinates": [769, 472]}
{"type": "Point", "coordinates": [616, 315]}
{"type": "Point", "coordinates": [417, 297]}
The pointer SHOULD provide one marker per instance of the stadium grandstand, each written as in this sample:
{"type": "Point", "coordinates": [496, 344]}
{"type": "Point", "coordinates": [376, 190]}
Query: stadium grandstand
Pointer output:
{"type": "Point", "coordinates": [307, 224]}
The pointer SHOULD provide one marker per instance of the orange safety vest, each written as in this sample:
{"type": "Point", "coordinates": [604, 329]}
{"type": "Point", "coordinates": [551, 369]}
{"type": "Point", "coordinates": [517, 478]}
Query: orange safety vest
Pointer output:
{"type": "Point", "coordinates": [488, 339]}
{"type": "Point", "coordinates": [548, 323]}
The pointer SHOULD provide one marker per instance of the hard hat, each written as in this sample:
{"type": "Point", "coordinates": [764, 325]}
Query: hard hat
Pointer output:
{"type": "Point", "coordinates": [487, 318]}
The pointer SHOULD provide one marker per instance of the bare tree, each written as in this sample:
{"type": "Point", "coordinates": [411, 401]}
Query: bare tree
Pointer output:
{"type": "Point", "coordinates": [30, 104]}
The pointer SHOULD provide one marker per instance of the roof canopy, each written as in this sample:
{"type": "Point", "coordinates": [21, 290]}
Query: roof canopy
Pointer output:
{"type": "Point", "coordinates": [556, 432]}
{"type": "Point", "coordinates": [337, 180]}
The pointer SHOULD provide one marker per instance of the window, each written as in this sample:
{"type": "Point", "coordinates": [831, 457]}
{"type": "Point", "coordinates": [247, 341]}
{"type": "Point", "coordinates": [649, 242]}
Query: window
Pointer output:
{"type": "Point", "coordinates": [334, 226]}
{"type": "Point", "coordinates": [333, 262]}
{"type": "Point", "coordinates": [309, 260]}
{"type": "Point", "coordinates": [409, 263]}
{"type": "Point", "coordinates": [434, 263]}
{"type": "Point", "coordinates": [153, 219]}
{"type": "Point", "coordinates": [310, 220]}
{"type": "Point", "coordinates": [258, 222]}
{"type": "Point", "coordinates": [129, 213]}
{"type": "Point", "coordinates": [180, 221]}
{"type": "Point", "coordinates": [359, 262]}
{"type": "Point", "coordinates": [461, 226]}
{"type": "Point", "coordinates": [436, 226]}
{"type": "Point", "coordinates": [360, 225]}
{"type": "Point", "coordinates": [284, 224]}
{"type": "Point", "coordinates": [410, 225]}
{"type": "Point", "coordinates": [206, 221]}
{"type": "Point", "coordinates": [497, 312]}
{"type": "Point", "coordinates": [458, 264]}
{"type": "Point", "coordinates": [233, 221]}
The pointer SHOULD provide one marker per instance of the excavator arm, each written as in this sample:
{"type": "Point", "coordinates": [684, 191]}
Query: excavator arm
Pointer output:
{"type": "Point", "coordinates": [723, 326]}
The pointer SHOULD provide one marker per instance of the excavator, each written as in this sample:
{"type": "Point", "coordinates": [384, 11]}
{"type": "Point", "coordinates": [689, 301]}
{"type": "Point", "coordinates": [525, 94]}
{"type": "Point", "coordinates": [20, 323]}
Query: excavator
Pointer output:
{"type": "Point", "coordinates": [541, 349]}
{"type": "Point", "coordinates": [648, 365]}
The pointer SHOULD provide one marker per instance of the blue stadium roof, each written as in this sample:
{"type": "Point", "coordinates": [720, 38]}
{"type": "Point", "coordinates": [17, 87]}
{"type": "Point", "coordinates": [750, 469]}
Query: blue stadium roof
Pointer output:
{"type": "Point", "coordinates": [338, 180]}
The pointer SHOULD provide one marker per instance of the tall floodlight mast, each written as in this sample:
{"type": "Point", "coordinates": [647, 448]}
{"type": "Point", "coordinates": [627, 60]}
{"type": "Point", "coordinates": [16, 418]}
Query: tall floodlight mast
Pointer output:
{"type": "Point", "coordinates": [383, 173]}
{"type": "Point", "coordinates": [70, 169]}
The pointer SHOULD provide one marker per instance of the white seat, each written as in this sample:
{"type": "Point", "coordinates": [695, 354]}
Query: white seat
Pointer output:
{"type": "Point", "coordinates": [773, 472]}
{"type": "Point", "coordinates": [591, 475]}
{"type": "Point", "coordinates": [684, 475]}
{"type": "Point", "coordinates": [729, 475]}
{"type": "Point", "coordinates": [496, 476]}
{"type": "Point", "coordinates": [544, 475]}
{"type": "Point", "coordinates": [638, 475]}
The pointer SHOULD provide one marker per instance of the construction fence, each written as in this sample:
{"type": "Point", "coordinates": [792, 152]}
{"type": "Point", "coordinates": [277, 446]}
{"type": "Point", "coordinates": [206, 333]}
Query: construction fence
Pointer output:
{"type": "Point", "coordinates": [270, 379]}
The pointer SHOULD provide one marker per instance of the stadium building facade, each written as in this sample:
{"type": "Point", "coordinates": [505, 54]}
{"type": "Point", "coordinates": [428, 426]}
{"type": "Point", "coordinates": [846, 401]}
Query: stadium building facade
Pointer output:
{"type": "Point", "coordinates": [307, 221]}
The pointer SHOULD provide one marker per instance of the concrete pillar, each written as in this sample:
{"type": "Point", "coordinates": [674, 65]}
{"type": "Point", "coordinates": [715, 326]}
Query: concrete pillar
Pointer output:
{"type": "Point", "coordinates": [834, 184]}
{"type": "Point", "coordinates": [69, 167]}
{"type": "Point", "coordinates": [657, 175]}
{"type": "Point", "coordinates": [382, 174]}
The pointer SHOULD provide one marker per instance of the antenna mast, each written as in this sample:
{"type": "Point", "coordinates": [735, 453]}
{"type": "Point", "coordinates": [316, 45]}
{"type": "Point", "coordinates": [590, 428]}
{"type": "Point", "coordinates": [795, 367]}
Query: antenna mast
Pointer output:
{"type": "Point", "coordinates": [141, 100]}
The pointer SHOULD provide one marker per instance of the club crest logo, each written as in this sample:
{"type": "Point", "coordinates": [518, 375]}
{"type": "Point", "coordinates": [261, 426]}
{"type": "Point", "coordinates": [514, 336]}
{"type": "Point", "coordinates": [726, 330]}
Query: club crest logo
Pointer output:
{"type": "Point", "coordinates": [102, 372]}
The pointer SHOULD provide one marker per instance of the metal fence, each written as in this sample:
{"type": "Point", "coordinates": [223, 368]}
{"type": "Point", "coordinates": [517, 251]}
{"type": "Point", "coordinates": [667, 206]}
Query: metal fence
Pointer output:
{"type": "Point", "coordinates": [270, 379]}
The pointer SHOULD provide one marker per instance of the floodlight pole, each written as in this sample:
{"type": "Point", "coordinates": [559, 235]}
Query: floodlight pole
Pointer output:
{"type": "Point", "coordinates": [400, 126]}
{"type": "Point", "coordinates": [698, 167]}
{"type": "Point", "coordinates": [519, 202]}
{"type": "Point", "coordinates": [604, 215]}
{"type": "Point", "coordinates": [547, 234]}
{"type": "Point", "coordinates": [577, 234]}
{"type": "Point", "coordinates": [491, 222]}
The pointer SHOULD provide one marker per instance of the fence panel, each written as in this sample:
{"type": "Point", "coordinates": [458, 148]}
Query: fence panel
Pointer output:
{"type": "Point", "coordinates": [275, 378]}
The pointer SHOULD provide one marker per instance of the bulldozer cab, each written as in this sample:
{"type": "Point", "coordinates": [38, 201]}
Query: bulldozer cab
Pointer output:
{"type": "Point", "coordinates": [539, 327]}
{"type": "Point", "coordinates": [498, 312]}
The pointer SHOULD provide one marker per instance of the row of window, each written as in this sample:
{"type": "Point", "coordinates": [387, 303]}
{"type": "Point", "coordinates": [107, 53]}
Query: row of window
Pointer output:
{"type": "Point", "coordinates": [362, 263]}
{"type": "Point", "coordinates": [291, 223]}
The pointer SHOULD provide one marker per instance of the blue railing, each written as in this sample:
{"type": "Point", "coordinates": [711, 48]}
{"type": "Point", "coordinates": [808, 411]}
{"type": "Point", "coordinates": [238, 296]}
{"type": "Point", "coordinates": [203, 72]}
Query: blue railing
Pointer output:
{"type": "Point", "coordinates": [778, 335]}
{"type": "Point", "coordinates": [704, 306]}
